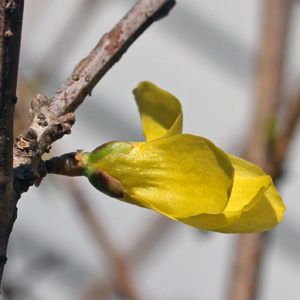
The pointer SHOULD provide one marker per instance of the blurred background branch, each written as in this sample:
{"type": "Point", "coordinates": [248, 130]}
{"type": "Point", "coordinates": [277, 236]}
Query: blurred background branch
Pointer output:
{"type": "Point", "coordinates": [262, 148]}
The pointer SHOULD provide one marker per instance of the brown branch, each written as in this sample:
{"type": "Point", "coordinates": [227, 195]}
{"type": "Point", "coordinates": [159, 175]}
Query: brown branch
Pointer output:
{"type": "Point", "coordinates": [108, 51]}
{"type": "Point", "coordinates": [246, 268]}
{"type": "Point", "coordinates": [269, 81]}
{"type": "Point", "coordinates": [11, 14]}
{"type": "Point", "coordinates": [262, 145]}
{"type": "Point", "coordinates": [289, 126]}
{"type": "Point", "coordinates": [51, 119]}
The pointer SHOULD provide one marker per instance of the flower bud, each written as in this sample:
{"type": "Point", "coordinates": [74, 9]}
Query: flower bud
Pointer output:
{"type": "Point", "coordinates": [111, 148]}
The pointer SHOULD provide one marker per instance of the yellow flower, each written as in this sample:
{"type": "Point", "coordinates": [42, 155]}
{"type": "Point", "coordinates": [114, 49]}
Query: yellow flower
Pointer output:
{"type": "Point", "coordinates": [185, 177]}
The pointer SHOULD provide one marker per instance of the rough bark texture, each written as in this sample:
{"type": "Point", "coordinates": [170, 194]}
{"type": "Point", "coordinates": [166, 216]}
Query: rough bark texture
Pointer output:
{"type": "Point", "coordinates": [51, 119]}
{"type": "Point", "coordinates": [11, 13]}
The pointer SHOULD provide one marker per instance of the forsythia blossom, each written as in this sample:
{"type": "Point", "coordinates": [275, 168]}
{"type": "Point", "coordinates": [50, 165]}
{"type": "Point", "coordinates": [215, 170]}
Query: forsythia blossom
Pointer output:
{"type": "Point", "coordinates": [185, 177]}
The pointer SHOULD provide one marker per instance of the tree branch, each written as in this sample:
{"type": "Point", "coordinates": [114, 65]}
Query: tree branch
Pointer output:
{"type": "Point", "coordinates": [269, 82]}
{"type": "Point", "coordinates": [51, 119]}
{"type": "Point", "coordinates": [11, 13]}
{"type": "Point", "coordinates": [262, 146]}
{"type": "Point", "coordinates": [284, 137]}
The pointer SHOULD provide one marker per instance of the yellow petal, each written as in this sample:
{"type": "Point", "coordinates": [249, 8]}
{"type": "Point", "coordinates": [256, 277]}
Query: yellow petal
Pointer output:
{"type": "Point", "coordinates": [254, 203]}
{"type": "Point", "coordinates": [260, 214]}
{"type": "Point", "coordinates": [266, 214]}
{"type": "Point", "coordinates": [184, 177]}
{"type": "Point", "coordinates": [246, 192]}
{"type": "Point", "coordinates": [245, 169]}
{"type": "Point", "coordinates": [179, 176]}
{"type": "Point", "coordinates": [160, 111]}
{"type": "Point", "coordinates": [243, 193]}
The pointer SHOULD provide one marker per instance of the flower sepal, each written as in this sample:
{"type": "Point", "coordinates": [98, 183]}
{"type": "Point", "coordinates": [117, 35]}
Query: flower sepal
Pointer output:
{"type": "Point", "coordinates": [105, 183]}
{"type": "Point", "coordinates": [107, 149]}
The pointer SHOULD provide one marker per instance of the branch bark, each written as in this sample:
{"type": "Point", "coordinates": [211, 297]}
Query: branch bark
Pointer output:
{"type": "Point", "coordinates": [51, 119]}
{"type": "Point", "coordinates": [269, 82]}
{"type": "Point", "coordinates": [11, 14]}
{"type": "Point", "coordinates": [263, 142]}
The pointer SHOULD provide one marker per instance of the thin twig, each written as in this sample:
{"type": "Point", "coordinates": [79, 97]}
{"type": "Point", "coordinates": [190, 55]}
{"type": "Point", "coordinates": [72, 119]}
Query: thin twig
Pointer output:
{"type": "Point", "coordinates": [51, 119]}
{"type": "Point", "coordinates": [11, 14]}
{"type": "Point", "coordinates": [262, 143]}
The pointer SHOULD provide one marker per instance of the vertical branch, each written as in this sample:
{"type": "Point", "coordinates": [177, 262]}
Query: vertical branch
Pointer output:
{"type": "Point", "coordinates": [284, 137]}
{"type": "Point", "coordinates": [11, 12]}
{"type": "Point", "coordinates": [262, 142]}
{"type": "Point", "coordinates": [269, 81]}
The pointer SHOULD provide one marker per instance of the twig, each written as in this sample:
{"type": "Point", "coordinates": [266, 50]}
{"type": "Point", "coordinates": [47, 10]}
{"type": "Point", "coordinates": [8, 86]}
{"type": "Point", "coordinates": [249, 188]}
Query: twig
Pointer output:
{"type": "Point", "coordinates": [284, 137]}
{"type": "Point", "coordinates": [51, 119]}
{"type": "Point", "coordinates": [11, 14]}
{"type": "Point", "coordinates": [246, 269]}
{"type": "Point", "coordinates": [262, 144]}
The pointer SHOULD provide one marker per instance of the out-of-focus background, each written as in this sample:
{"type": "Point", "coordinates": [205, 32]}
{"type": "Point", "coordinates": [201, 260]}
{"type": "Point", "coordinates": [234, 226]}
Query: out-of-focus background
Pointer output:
{"type": "Point", "coordinates": [205, 53]}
